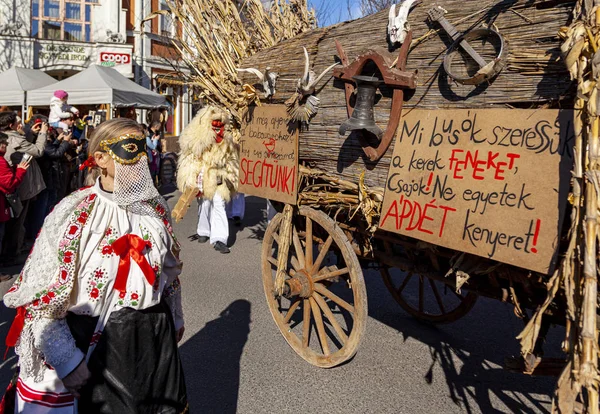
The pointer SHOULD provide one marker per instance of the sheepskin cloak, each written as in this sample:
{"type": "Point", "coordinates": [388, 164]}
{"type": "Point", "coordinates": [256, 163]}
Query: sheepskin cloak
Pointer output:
{"type": "Point", "coordinates": [200, 153]}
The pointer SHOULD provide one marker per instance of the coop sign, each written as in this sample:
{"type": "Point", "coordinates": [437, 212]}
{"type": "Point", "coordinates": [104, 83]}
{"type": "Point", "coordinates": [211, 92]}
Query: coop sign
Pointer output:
{"type": "Point", "coordinates": [491, 182]}
{"type": "Point", "coordinates": [111, 59]}
{"type": "Point", "coordinates": [269, 154]}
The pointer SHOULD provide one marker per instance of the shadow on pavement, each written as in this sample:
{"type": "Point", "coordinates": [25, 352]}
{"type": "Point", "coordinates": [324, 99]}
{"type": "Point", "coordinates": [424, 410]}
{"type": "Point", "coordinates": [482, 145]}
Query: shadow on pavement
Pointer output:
{"type": "Point", "coordinates": [256, 217]}
{"type": "Point", "coordinates": [211, 360]}
{"type": "Point", "coordinates": [471, 353]}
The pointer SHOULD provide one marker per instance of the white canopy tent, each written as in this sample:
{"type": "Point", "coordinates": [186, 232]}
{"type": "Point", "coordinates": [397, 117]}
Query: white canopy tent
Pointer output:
{"type": "Point", "coordinates": [100, 85]}
{"type": "Point", "coordinates": [17, 81]}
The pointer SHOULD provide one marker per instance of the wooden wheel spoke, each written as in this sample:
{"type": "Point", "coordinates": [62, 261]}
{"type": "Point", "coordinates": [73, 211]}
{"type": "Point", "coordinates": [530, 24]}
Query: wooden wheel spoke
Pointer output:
{"type": "Point", "coordinates": [308, 257]}
{"type": "Point", "coordinates": [333, 297]}
{"type": "Point", "coordinates": [321, 256]}
{"type": "Point", "coordinates": [306, 323]}
{"type": "Point", "coordinates": [403, 285]}
{"type": "Point", "coordinates": [437, 296]}
{"type": "Point", "coordinates": [276, 237]}
{"type": "Point", "coordinates": [327, 312]}
{"type": "Point", "coordinates": [298, 247]}
{"type": "Point", "coordinates": [272, 260]}
{"type": "Point", "coordinates": [296, 264]}
{"type": "Point", "coordinates": [421, 294]}
{"type": "Point", "coordinates": [291, 311]}
{"type": "Point", "coordinates": [320, 327]}
{"type": "Point", "coordinates": [329, 275]}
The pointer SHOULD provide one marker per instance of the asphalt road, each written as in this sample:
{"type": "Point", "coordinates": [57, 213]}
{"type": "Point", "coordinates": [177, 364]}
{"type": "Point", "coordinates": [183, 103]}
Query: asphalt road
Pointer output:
{"type": "Point", "coordinates": [235, 359]}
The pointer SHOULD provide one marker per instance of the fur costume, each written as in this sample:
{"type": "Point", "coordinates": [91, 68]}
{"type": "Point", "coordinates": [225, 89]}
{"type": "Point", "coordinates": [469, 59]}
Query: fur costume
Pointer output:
{"type": "Point", "coordinates": [201, 153]}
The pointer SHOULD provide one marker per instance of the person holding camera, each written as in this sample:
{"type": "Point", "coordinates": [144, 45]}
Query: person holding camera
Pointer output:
{"type": "Point", "coordinates": [33, 183]}
{"type": "Point", "coordinates": [9, 181]}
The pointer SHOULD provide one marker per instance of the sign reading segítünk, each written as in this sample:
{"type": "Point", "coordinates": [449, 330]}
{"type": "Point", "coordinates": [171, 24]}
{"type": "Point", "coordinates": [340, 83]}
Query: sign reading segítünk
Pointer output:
{"type": "Point", "coordinates": [269, 154]}
{"type": "Point", "coordinates": [491, 182]}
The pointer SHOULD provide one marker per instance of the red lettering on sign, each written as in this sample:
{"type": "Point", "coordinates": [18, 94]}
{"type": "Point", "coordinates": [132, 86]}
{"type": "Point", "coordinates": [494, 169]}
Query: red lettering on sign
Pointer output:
{"type": "Point", "coordinates": [418, 216]}
{"type": "Point", "coordinates": [480, 163]}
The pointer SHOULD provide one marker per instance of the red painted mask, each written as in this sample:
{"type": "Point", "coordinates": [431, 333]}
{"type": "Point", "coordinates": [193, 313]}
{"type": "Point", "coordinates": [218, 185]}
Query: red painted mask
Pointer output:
{"type": "Point", "coordinates": [219, 128]}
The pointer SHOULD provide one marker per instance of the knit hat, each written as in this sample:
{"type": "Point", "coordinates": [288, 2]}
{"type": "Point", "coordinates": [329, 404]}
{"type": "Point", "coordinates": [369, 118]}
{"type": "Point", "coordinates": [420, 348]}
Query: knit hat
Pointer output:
{"type": "Point", "coordinates": [60, 94]}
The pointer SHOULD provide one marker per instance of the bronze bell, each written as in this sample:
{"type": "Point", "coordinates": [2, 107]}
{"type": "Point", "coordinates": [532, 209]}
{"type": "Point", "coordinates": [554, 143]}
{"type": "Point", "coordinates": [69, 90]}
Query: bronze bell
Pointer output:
{"type": "Point", "coordinates": [362, 116]}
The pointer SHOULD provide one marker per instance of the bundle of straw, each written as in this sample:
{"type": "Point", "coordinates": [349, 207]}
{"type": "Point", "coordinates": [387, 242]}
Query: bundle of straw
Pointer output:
{"type": "Point", "coordinates": [328, 192]}
{"type": "Point", "coordinates": [216, 35]}
{"type": "Point", "coordinates": [577, 274]}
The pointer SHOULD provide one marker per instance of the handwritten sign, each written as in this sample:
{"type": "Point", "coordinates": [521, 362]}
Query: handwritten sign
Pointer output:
{"type": "Point", "coordinates": [269, 154]}
{"type": "Point", "coordinates": [491, 182]}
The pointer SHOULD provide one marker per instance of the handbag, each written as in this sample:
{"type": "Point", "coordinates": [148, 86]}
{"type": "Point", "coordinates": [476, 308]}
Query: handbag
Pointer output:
{"type": "Point", "coordinates": [16, 206]}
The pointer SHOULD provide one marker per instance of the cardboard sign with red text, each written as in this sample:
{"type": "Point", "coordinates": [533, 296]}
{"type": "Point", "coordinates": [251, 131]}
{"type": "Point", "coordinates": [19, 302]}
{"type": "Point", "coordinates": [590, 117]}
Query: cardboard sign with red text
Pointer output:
{"type": "Point", "coordinates": [269, 154]}
{"type": "Point", "coordinates": [491, 182]}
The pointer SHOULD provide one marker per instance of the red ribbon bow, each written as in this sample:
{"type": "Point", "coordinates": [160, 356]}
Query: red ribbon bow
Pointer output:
{"type": "Point", "coordinates": [130, 247]}
{"type": "Point", "coordinates": [15, 329]}
{"type": "Point", "coordinates": [89, 163]}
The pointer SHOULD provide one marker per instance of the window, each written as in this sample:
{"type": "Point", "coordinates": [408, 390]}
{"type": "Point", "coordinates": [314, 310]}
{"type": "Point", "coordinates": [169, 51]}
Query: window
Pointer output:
{"type": "Point", "coordinates": [51, 8]}
{"type": "Point", "coordinates": [73, 11]}
{"type": "Point", "coordinates": [73, 31]}
{"type": "Point", "coordinates": [166, 21]}
{"type": "Point", "coordinates": [62, 19]}
{"type": "Point", "coordinates": [35, 8]}
{"type": "Point", "coordinates": [34, 28]}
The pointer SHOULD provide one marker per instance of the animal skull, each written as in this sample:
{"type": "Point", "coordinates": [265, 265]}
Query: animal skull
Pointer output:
{"type": "Point", "coordinates": [268, 79]}
{"type": "Point", "coordinates": [309, 81]}
{"type": "Point", "coordinates": [398, 26]}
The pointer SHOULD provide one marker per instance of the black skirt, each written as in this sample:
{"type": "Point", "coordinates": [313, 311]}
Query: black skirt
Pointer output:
{"type": "Point", "coordinates": [135, 366]}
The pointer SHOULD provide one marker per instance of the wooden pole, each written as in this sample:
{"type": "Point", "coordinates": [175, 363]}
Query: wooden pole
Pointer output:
{"type": "Point", "coordinates": [285, 239]}
{"type": "Point", "coordinates": [588, 370]}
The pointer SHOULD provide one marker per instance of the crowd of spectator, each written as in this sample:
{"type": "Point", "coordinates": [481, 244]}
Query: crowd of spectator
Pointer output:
{"type": "Point", "coordinates": [40, 164]}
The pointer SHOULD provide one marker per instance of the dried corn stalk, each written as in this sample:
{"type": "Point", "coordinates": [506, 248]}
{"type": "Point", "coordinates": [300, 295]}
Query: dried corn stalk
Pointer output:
{"type": "Point", "coordinates": [577, 274]}
{"type": "Point", "coordinates": [328, 192]}
{"type": "Point", "coordinates": [216, 35]}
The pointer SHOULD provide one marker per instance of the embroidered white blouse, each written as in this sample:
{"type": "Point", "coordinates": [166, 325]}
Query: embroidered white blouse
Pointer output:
{"type": "Point", "coordinates": [96, 274]}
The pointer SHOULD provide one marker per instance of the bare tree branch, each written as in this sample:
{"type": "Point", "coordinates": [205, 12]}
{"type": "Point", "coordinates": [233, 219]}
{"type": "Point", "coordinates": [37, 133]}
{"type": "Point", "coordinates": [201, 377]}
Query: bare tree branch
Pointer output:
{"type": "Point", "coordinates": [368, 7]}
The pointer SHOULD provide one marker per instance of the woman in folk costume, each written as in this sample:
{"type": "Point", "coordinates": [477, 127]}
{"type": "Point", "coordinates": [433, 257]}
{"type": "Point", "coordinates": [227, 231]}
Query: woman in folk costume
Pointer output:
{"type": "Point", "coordinates": [209, 161]}
{"type": "Point", "coordinates": [99, 300]}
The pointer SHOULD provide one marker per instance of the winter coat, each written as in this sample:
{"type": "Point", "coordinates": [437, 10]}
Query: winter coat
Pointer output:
{"type": "Point", "coordinates": [9, 181]}
{"type": "Point", "coordinates": [59, 110]}
{"type": "Point", "coordinates": [33, 184]}
{"type": "Point", "coordinates": [50, 163]}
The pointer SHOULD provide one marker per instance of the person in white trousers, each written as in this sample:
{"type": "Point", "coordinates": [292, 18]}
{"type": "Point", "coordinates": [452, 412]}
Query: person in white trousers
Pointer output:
{"type": "Point", "coordinates": [236, 208]}
{"type": "Point", "coordinates": [212, 223]}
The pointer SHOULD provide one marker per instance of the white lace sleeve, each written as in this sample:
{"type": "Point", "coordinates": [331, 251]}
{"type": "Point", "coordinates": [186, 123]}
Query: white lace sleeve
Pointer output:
{"type": "Point", "coordinates": [53, 338]}
{"type": "Point", "coordinates": [172, 292]}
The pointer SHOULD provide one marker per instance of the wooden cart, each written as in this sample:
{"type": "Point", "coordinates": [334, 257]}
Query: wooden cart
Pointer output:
{"type": "Point", "coordinates": [334, 233]}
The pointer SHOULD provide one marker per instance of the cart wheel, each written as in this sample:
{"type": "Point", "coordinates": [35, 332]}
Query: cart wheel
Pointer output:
{"type": "Point", "coordinates": [426, 299]}
{"type": "Point", "coordinates": [323, 312]}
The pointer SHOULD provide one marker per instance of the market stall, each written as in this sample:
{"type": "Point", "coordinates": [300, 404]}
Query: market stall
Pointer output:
{"type": "Point", "coordinates": [17, 82]}
{"type": "Point", "coordinates": [100, 85]}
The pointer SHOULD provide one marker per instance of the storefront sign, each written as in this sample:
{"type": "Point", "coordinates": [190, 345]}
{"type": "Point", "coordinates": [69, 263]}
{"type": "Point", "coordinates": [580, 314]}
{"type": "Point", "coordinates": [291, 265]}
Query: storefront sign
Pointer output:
{"type": "Point", "coordinates": [269, 154]}
{"type": "Point", "coordinates": [488, 182]}
{"type": "Point", "coordinates": [64, 55]}
{"type": "Point", "coordinates": [112, 59]}
{"type": "Point", "coordinates": [53, 52]}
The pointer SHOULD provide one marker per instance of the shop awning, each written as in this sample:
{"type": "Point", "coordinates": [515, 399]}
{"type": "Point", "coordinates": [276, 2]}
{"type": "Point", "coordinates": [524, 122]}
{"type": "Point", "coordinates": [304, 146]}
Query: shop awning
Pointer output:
{"type": "Point", "coordinates": [100, 85]}
{"type": "Point", "coordinates": [17, 81]}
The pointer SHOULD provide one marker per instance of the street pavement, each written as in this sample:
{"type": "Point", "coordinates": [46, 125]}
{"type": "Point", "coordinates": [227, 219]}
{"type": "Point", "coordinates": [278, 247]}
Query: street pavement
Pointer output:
{"type": "Point", "coordinates": [235, 359]}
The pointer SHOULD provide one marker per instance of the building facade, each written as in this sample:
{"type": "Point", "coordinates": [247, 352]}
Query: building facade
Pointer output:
{"type": "Point", "coordinates": [63, 37]}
